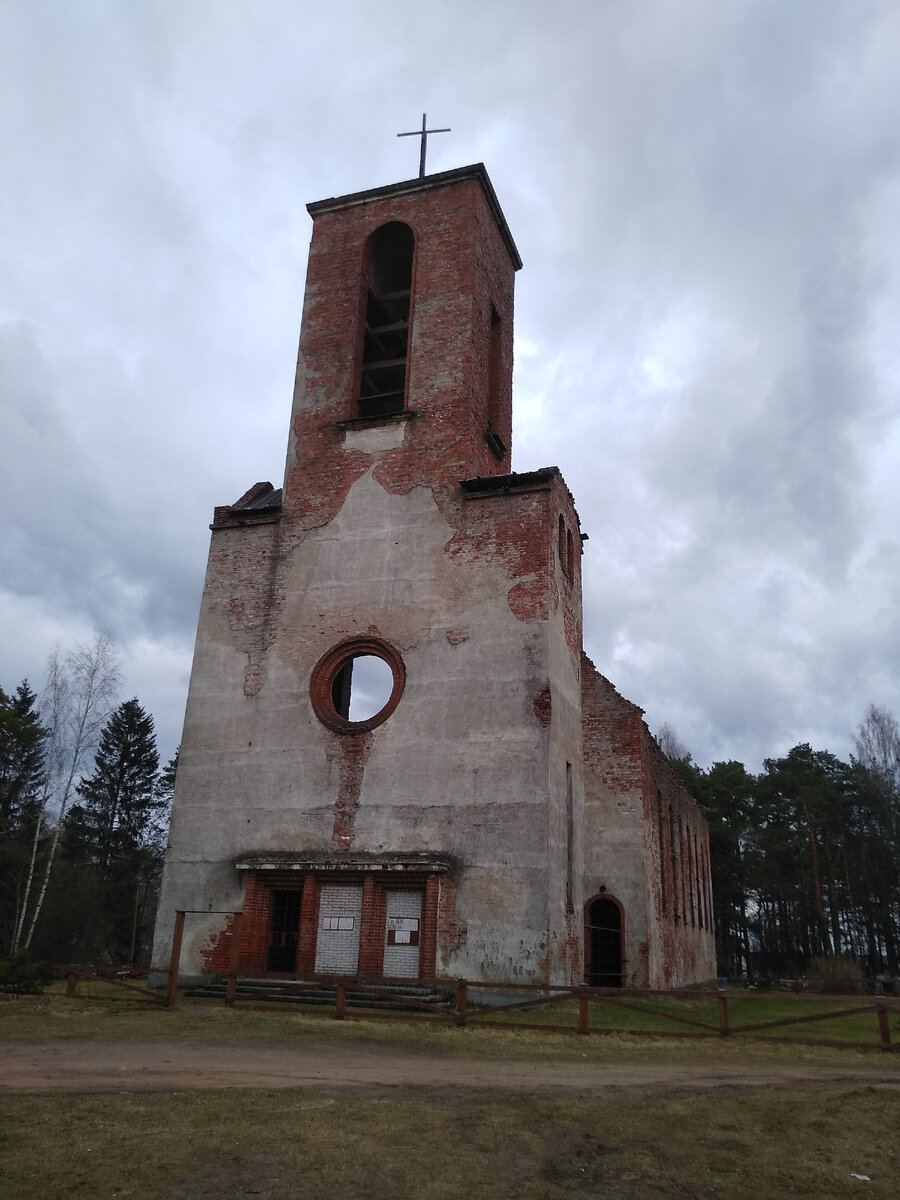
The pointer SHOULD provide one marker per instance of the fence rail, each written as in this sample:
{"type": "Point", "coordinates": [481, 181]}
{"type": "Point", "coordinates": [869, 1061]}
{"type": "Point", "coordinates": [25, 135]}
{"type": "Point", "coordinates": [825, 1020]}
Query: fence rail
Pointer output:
{"type": "Point", "coordinates": [580, 1008]}
{"type": "Point", "coordinates": [586, 1003]}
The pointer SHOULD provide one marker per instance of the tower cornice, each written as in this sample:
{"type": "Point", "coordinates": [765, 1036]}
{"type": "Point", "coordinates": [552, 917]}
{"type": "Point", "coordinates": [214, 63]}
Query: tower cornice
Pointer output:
{"type": "Point", "coordinates": [476, 171]}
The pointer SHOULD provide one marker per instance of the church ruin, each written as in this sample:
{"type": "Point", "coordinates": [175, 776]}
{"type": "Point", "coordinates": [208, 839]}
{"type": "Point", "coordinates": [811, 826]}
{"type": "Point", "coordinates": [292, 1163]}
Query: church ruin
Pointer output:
{"type": "Point", "coordinates": [397, 761]}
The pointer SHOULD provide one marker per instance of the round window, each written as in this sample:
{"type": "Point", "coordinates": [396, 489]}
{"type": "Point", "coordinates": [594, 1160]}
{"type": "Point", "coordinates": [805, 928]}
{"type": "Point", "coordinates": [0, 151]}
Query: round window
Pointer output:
{"type": "Point", "coordinates": [357, 684]}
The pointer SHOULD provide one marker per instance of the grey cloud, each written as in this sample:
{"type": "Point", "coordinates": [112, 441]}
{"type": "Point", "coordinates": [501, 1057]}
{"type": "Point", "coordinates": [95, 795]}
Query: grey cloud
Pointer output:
{"type": "Point", "coordinates": [705, 199]}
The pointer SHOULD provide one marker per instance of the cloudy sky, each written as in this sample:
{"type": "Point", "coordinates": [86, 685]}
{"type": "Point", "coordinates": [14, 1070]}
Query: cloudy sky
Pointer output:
{"type": "Point", "coordinates": [707, 199]}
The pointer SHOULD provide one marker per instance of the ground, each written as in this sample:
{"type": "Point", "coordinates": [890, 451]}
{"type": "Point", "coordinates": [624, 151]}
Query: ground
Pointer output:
{"type": "Point", "coordinates": [146, 1066]}
{"type": "Point", "coordinates": [117, 1099]}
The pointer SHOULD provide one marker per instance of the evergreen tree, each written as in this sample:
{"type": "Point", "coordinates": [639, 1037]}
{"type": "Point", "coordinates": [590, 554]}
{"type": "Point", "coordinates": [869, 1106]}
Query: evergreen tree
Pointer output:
{"type": "Point", "coordinates": [120, 800]}
{"type": "Point", "coordinates": [114, 835]}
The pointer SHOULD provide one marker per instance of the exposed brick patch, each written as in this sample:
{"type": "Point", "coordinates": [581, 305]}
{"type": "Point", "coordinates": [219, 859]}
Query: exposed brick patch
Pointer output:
{"type": "Point", "coordinates": [216, 950]}
{"type": "Point", "coordinates": [451, 931]}
{"type": "Point", "coordinates": [569, 954]}
{"type": "Point", "coordinates": [353, 754]}
{"type": "Point", "coordinates": [542, 705]}
{"type": "Point", "coordinates": [254, 678]}
{"type": "Point", "coordinates": [456, 636]}
{"type": "Point", "coordinates": [528, 600]}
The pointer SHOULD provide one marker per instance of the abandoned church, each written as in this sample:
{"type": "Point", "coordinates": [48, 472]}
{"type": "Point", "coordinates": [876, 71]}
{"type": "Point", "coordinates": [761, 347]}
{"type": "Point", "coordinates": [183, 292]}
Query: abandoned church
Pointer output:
{"type": "Point", "coordinates": [398, 763]}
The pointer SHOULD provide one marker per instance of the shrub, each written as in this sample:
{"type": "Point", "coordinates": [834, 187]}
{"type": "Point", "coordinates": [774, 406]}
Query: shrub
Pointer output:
{"type": "Point", "coordinates": [837, 973]}
{"type": "Point", "coordinates": [21, 977]}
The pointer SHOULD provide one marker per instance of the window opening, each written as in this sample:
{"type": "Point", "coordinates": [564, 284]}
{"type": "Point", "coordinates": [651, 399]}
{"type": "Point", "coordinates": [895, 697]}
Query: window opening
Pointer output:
{"type": "Point", "coordinates": [282, 954]}
{"type": "Point", "coordinates": [386, 334]}
{"type": "Point", "coordinates": [362, 687]}
{"type": "Point", "coordinates": [662, 861]}
{"type": "Point", "coordinates": [492, 433]}
{"type": "Point", "coordinates": [570, 838]}
{"type": "Point", "coordinates": [698, 875]}
{"type": "Point", "coordinates": [570, 554]}
{"type": "Point", "coordinates": [357, 684]}
{"type": "Point", "coordinates": [562, 543]}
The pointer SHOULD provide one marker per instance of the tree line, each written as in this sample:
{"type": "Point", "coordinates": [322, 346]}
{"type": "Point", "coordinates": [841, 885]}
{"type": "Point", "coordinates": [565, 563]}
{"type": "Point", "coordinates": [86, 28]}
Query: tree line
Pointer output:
{"type": "Point", "coordinates": [84, 810]}
{"type": "Point", "coordinates": [805, 855]}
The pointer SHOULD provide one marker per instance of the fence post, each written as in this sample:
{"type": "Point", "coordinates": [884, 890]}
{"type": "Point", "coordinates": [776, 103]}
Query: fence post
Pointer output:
{"type": "Point", "coordinates": [340, 1005]}
{"type": "Point", "coordinates": [461, 1001]}
{"type": "Point", "coordinates": [584, 1013]}
{"type": "Point", "coordinates": [71, 984]}
{"type": "Point", "coordinates": [884, 1027]}
{"type": "Point", "coordinates": [175, 959]}
{"type": "Point", "coordinates": [723, 1015]}
{"type": "Point", "coordinates": [233, 958]}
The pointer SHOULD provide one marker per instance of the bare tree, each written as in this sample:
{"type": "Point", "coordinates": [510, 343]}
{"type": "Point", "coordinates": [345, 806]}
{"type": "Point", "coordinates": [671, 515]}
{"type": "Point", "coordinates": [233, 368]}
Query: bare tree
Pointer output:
{"type": "Point", "coordinates": [671, 745]}
{"type": "Point", "coordinates": [878, 746]}
{"type": "Point", "coordinates": [77, 700]}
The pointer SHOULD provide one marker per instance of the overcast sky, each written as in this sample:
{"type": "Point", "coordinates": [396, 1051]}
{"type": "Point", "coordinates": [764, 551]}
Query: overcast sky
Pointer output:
{"type": "Point", "coordinates": [707, 199]}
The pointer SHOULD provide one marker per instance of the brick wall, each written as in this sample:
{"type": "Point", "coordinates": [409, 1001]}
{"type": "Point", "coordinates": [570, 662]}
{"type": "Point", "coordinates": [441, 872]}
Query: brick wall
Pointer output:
{"type": "Point", "coordinates": [462, 280]}
{"type": "Point", "coordinates": [362, 951]}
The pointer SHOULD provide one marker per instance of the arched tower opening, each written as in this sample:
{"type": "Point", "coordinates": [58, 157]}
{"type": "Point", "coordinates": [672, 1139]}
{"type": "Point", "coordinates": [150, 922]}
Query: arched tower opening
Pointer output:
{"type": "Point", "coordinates": [382, 387]}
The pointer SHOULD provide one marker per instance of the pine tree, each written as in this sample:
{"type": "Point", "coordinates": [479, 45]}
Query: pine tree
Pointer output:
{"type": "Point", "coordinates": [120, 802]}
{"type": "Point", "coordinates": [113, 835]}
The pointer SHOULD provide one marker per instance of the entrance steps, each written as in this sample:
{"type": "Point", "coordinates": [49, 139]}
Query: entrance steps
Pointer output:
{"type": "Point", "coordinates": [390, 997]}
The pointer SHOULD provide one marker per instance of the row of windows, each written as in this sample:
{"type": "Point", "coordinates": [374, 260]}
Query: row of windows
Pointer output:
{"type": "Point", "coordinates": [686, 891]}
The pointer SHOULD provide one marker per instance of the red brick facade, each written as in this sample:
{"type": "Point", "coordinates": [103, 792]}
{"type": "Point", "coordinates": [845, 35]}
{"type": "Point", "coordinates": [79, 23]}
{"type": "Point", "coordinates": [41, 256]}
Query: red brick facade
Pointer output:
{"type": "Point", "coordinates": [438, 920]}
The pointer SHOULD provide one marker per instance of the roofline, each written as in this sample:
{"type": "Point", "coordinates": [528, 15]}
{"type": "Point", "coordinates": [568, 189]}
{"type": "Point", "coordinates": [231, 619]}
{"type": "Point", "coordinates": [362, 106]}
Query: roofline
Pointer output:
{"type": "Point", "coordinates": [476, 171]}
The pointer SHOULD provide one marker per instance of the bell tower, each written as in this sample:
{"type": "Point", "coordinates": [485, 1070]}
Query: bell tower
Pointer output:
{"type": "Point", "coordinates": [407, 321]}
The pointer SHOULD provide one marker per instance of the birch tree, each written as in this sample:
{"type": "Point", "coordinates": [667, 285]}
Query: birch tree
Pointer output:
{"type": "Point", "coordinates": [77, 700]}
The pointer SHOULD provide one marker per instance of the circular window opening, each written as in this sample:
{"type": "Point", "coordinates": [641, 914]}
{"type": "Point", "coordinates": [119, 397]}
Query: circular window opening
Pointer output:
{"type": "Point", "coordinates": [357, 684]}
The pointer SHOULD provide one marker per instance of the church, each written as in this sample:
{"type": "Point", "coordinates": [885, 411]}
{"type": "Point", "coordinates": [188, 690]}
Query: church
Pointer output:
{"type": "Point", "coordinates": [398, 764]}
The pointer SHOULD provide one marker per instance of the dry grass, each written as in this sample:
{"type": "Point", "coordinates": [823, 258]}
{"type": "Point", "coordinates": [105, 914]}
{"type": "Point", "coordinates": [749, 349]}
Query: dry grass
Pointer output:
{"type": "Point", "coordinates": [440, 1146]}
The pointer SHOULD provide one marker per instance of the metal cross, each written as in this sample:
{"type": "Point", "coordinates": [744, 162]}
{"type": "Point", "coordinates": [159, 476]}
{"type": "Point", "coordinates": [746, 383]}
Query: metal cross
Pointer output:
{"type": "Point", "coordinates": [423, 134]}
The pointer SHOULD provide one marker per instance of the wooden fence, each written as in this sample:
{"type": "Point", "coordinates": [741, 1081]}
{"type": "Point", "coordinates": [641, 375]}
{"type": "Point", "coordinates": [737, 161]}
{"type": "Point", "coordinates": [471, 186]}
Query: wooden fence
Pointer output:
{"type": "Point", "coordinates": [580, 1009]}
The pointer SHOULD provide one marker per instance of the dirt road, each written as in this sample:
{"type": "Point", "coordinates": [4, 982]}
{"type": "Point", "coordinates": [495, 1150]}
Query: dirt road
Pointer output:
{"type": "Point", "coordinates": [146, 1066]}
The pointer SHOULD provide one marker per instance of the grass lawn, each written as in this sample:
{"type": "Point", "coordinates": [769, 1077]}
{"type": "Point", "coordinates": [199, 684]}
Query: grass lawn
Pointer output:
{"type": "Point", "coordinates": [744, 1009]}
{"type": "Point", "coordinates": [443, 1145]}
{"type": "Point", "coordinates": [104, 1011]}
{"type": "Point", "coordinates": [438, 1144]}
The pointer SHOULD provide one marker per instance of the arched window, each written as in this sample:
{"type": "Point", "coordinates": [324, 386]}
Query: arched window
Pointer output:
{"type": "Point", "coordinates": [603, 942]}
{"type": "Point", "coordinates": [385, 339]}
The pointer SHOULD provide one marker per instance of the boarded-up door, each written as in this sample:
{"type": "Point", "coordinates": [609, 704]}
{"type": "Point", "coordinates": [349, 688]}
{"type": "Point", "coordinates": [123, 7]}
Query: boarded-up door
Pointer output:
{"type": "Point", "coordinates": [337, 941]}
{"type": "Point", "coordinates": [401, 936]}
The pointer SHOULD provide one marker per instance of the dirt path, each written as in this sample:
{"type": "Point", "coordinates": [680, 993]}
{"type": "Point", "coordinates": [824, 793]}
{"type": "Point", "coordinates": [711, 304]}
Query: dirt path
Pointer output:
{"type": "Point", "coordinates": [135, 1066]}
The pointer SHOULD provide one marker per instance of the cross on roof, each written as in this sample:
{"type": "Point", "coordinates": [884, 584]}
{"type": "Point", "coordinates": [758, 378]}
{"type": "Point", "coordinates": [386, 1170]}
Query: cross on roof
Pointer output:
{"type": "Point", "coordinates": [423, 134]}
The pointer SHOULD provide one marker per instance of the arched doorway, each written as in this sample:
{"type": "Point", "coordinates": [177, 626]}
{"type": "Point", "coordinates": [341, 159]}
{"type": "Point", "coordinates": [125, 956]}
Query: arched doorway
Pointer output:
{"type": "Point", "coordinates": [603, 942]}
